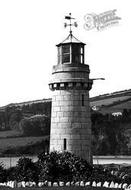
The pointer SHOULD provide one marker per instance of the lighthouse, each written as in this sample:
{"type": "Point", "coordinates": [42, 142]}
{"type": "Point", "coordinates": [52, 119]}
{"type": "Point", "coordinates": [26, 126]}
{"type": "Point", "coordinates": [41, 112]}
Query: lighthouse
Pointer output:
{"type": "Point", "coordinates": [70, 85]}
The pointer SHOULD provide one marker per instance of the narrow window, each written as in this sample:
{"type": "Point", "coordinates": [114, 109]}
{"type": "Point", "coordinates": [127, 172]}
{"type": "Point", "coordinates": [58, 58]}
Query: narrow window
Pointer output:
{"type": "Point", "coordinates": [64, 144]}
{"type": "Point", "coordinates": [82, 99]}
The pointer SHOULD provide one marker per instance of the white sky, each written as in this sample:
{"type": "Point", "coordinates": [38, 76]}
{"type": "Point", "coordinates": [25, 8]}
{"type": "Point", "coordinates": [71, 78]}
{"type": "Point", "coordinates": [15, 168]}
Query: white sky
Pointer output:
{"type": "Point", "coordinates": [29, 31]}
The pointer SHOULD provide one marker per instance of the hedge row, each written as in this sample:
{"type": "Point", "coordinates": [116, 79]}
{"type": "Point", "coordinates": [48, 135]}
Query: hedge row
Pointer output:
{"type": "Point", "coordinates": [60, 167]}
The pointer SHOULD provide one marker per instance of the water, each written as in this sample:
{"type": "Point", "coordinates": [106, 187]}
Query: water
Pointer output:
{"type": "Point", "coordinates": [125, 160]}
{"type": "Point", "coordinates": [12, 161]}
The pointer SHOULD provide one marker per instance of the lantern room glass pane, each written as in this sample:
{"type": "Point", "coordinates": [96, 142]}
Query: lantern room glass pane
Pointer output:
{"type": "Point", "coordinates": [76, 49]}
{"type": "Point", "coordinates": [81, 58]}
{"type": "Point", "coordinates": [76, 53]}
{"type": "Point", "coordinates": [66, 53]}
{"type": "Point", "coordinates": [76, 58]}
{"type": "Point", "coordinates": [65, 49]}
{"type": "Point", "coordinates": [66, 58]}
{"type": "Point", "coordinates": [81, 50]}
{"type": "Point", "coordinates": [59, 55]}
{"type": "Point", "coordinates": [58, 51]}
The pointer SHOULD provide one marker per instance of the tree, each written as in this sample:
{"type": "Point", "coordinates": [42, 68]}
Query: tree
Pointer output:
{"type": "Point", "coordinates": [36, 125]}
{"type": "Point", "coordinates": [15, 119]}
{"type": "Point", "coordinates": [109, 134]}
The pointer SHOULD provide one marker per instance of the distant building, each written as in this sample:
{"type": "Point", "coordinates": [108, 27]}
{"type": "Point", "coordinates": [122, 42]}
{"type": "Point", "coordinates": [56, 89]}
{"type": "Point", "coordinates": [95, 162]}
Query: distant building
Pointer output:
{"type": "Point", "coordinates": [117, 113]}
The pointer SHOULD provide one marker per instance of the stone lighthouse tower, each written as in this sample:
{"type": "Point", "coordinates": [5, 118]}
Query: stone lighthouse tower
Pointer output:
{"type": "Point", "coordinates": [70, 83]}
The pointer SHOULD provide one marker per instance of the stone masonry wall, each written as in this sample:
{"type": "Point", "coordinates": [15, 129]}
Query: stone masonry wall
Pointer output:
{"type": "Point", "coordinates": [70, 122]}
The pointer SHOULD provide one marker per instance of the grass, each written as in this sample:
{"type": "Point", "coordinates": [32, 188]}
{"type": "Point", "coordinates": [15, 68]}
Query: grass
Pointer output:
{"type": "Point", "coordinates": [108, 100]}
{"type": "Point", "coordinates": [112, 104]}
{"type": "Point", "coordinates": [9, 133]}
{"type": "Point", "coordinates": [19, 142]}
{"type": "Point", "coordinates": [115, 108]}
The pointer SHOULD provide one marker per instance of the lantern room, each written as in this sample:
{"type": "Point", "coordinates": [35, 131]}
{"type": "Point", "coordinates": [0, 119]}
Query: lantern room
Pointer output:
{"type": "Point", "coordinates": [71, 51]}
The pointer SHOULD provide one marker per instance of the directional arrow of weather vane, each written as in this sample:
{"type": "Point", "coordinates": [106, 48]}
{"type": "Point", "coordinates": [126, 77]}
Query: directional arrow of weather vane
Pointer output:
{"type": "Point", "coordinates": [70, 23]}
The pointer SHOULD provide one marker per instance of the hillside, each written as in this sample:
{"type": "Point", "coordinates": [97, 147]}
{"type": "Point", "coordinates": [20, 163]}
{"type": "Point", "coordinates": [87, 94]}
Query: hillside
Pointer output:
{"type": "Point", "coordinates": [111, 113]}
{"type": "Point", "coordinates": [116, 101]}
{"type": "Point", "coordinates": [113, 102]}
{"type": "Point", "coordinates": [26, 126]}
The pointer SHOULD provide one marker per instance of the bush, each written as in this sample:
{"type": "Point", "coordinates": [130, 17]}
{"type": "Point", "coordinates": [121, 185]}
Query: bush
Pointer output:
{"type": "Point", "coordinates": [63, 167]}
{"type": "Point", "coordinates": [125, 174]}
{"type": "Point", "coordinates": [101, 174]}
{"type": "Point", "coordinates": [26, 170]}
{"type": "Point", "coordinates": [36, 125]}
{"type": "Point", "coordinates": [11, 174]}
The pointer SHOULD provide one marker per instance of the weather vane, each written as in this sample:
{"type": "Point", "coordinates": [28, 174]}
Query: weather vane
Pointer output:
{"type": "Point", "coordinates": [70, 24]}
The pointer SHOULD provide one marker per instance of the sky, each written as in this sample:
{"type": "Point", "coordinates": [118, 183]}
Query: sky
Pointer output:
{"type": "Point", "coordinates": [30, 30]}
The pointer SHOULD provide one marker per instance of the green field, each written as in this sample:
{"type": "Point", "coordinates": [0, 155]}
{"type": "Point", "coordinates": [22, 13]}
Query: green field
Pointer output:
{"type": "Point", "coordinates": [116, 108]}
{"type": "Point", "coordinates": [10, 133]}
{"type": "Point", "coordinates": [9, 143]}
{"type": "Point", "coordinates": [109, 100]}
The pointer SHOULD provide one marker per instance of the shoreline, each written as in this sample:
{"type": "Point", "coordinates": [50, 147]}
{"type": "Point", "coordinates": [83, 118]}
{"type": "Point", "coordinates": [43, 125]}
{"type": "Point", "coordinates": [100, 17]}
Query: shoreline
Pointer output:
{"type": "Point", "coordinates": [112, 157]}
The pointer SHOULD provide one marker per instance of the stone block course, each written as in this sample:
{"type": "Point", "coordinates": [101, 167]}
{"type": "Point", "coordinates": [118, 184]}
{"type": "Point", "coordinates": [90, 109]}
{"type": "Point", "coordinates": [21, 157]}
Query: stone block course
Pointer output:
{"type": "Point", "coordinates": [56, 108]}
{"type": "Point", "coordinates": [68, 113]}
{"type": "Point", "coordinates": [76, 137]}
{"type": "Point", "coordinates": [59, 114]}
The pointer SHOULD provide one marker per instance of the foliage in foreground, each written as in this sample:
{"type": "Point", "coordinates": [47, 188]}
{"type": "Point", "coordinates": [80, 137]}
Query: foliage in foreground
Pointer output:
{"type": "Point", "coordinates": [51, 167]}
{"type": "Point", "coordinates": [63, 167]}
{"type": "Point", "coordinates": [26, 170]}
